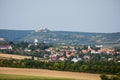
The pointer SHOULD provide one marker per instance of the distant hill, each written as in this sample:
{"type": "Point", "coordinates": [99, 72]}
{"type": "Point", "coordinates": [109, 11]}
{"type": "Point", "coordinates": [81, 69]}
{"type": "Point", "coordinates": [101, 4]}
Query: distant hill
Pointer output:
{"type": "Point", "coordinates": [3, 43]}
{"type": "Point", "coordinates": [14, 35]}
{"type": "Point", "coordinates": [62, 37]}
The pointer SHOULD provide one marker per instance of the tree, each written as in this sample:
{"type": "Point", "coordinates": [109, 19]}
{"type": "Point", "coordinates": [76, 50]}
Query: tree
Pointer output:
{"type": "Point", "coordinates": [118, 76]}
{"type": "Point", "coordinates": [103, 77]}
{"type": "Point", "coordinates": [56, 66]}
{"type": "Point", "coordinates": [62, 65]}
{"type": "Point", "coordinates": [32, 47]}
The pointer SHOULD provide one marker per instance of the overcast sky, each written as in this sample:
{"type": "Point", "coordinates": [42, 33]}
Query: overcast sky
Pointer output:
{"type": "Point", "coordinates": [67, 15]}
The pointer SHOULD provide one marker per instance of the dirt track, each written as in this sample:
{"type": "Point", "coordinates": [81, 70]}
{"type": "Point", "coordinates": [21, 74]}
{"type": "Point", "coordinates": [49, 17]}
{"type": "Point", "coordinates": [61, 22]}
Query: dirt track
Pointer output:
{"type": "Point", "coordinates": [49, 73]}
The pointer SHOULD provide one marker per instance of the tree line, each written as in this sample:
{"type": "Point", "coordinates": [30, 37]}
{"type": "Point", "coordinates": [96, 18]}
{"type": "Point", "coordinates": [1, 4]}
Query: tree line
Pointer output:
{"type": "Point", "coordinates": [103, 67]}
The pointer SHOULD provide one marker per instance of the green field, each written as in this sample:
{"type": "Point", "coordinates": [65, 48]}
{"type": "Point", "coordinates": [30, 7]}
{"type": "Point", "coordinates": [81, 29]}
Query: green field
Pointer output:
{"type": "Point", "coordinates": [24, 77]}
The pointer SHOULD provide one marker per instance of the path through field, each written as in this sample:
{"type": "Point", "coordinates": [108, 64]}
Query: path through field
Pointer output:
{"type": "Point", "coordinates": [49, 73]}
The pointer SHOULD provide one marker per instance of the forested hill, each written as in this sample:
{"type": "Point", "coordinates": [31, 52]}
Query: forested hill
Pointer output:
{"type": "Point", "coordinates": [62, 37]}
{"type": "Point", "coordinates": [14, 35]}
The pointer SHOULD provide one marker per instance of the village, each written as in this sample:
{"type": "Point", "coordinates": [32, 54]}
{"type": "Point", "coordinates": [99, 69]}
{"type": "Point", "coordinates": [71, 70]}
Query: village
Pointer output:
{"type": "Point", "coordinates": [59, 39]}
{"type": "Point", "coordinates": [45, 52]}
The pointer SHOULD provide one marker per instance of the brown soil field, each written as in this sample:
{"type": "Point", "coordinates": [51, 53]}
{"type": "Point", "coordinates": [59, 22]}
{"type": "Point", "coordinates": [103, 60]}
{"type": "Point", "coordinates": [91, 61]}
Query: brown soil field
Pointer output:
{"type": "Point", "coordinates": [49, 73]}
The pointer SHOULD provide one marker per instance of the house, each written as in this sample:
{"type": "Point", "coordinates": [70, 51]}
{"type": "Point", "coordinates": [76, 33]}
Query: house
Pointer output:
{"type": "Point", "coordinates": [65, 47]}
{"type": "Point", "coordinates": [84, 51]}
{"type": "Point", "coordinates": [73, 53]}
{"type": "Point", "coordinates": [1, 39]}
{"type": "Point", "coordinates": [47, 50]}
{"type": "Point", "coordinates": [46, 55]}
{"type": "Point", "coordinates": [5, 47]}
{"type": "Point", "coordinates": [53, 57]}
{"type": "Point", "coordinates": [119, 61]}
{"type": "Point", "coordinates": [86, 57]}
{"type": "Point", "coordinates": [109, 59]}
{"type": "Point", "coordinates": [27, 50]}
{"type": "Point", "coordinates": [68, 55]}
{"type": "Point", "coordinates": [74, 60]}
{"type": "Point", "coordinates": [62, 58]}
{"type": "Point", "coordinates": [79, 59]}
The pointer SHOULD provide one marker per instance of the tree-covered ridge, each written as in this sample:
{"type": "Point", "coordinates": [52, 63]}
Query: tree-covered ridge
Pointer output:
{"type": "Point", "coordinates": [75, 38]}
{"type": "Point", "coordinates": [14, 35]}
{"type": "Point", "coordinates": [62, 37]}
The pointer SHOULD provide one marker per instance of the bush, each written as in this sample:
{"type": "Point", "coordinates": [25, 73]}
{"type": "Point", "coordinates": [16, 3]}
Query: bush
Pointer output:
{"type": "Point", "coordinates": [103, 77]}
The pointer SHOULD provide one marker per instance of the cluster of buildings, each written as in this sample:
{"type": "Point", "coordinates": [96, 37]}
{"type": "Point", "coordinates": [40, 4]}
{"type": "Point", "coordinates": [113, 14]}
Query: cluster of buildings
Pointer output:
{"type": "Point", "coordinates": [69, 52]}
{"type": "Point", "coordinates": [66, 52]}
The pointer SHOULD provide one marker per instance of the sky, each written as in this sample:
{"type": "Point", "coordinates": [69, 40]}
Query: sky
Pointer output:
{"type": "Point", "coordinates": [61, 15]}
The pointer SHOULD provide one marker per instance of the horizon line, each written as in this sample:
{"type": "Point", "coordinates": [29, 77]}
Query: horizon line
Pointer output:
{"type": "Point", "coordinates": [58, 30]}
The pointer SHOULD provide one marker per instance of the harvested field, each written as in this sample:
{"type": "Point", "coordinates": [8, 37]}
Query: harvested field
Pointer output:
{"type": "Point", "coordinates": [26, 77]}
{"type": "Point", "coordinates": [49, 73]}
{"type": "Point", "coordinates": [9, 56]}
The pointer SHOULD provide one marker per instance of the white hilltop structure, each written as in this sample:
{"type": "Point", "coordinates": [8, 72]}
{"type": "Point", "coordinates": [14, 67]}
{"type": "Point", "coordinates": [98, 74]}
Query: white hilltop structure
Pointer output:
{"type": "Point", "coordinates": [99, 46]}
{"type": "Point", "coordinates": [42, 29]}
{"type": "Point", "coordinates": [38, 30]}
{"type": "Point", "coordinates": [36, 41]}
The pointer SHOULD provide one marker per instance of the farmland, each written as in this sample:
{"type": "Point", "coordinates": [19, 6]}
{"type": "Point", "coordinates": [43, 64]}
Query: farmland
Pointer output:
{"type": "Point", "coordinates": [24, 77]}
{"type": "Point", "coordinates": [8, 56]}
{"type": "Point", "coordinates": [49, 73]}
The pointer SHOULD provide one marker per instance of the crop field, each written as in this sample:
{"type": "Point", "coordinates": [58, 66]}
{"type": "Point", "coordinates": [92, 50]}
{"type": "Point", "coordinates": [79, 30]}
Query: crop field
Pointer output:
{"type": "Point", "coordinates": [42, 73]}
{"type": "Point", "coordinates": [9, 56]}
{"type": "Point", "coordinates": [24, 77]}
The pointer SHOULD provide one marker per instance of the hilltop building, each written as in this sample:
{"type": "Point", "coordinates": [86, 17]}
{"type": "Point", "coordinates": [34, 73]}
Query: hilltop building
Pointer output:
{"type": "Point", "coordinates": [42, 30]}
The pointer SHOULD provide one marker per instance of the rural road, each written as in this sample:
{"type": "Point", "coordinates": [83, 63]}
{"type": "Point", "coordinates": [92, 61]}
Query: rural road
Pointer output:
{"type": "Point", "coordinates": [49, 73]}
